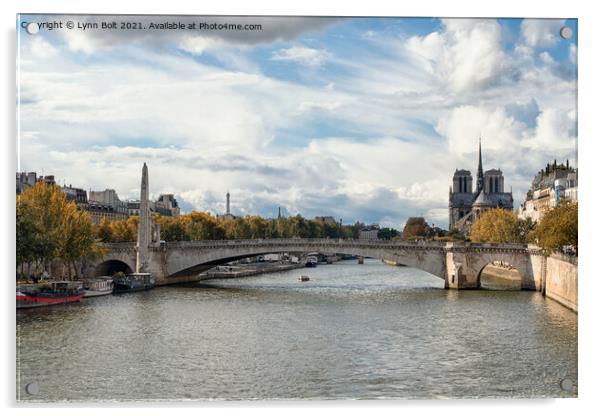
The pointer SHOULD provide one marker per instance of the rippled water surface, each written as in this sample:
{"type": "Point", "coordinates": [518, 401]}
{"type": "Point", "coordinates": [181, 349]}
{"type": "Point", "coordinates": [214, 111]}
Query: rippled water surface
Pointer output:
{"type": "Point", "coordinates": [353, 331]}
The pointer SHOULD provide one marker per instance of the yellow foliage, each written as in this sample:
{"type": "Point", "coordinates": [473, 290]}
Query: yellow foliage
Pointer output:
{"type": "Point", "coordinates": [499, 225]}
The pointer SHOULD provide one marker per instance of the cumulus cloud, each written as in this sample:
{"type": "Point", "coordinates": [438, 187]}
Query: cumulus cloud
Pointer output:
{"type": "Point", "coordinates": [464, 56]}
{"type": "Point", "coordinates": [541, 33]}
{"type": "Point", "coordinates": [465, 124]}
{"type": "Point", "coordinates": [555, 128]}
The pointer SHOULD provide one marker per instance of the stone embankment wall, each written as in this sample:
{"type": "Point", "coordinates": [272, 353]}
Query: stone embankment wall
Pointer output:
{"type": "Point", "coordinates": [561, 280]}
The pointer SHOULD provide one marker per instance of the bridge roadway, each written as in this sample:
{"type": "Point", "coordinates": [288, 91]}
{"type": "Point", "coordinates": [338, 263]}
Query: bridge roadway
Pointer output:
{"type": "Point", "coordinates": [459, 264]}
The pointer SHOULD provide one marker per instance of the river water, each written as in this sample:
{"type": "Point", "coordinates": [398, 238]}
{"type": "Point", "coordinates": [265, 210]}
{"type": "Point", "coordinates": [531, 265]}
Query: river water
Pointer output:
{"type": "Point", "coordinates": [353, 331]}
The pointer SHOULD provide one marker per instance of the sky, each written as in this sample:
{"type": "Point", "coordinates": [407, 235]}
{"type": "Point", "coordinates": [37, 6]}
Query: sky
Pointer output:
{"type": "Point", "coordinates": [363, 119]}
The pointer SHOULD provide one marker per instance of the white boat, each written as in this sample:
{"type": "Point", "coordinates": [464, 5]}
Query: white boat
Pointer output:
{"type": "Point", "coordinates": [98, 286]}
{"type": "Point", "coordinates": [304, 278]}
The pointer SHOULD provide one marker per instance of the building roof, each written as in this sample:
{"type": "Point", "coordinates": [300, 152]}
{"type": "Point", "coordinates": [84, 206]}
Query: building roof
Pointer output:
{"type": "Point", "coordinates": [492, 199]}
{"type": "Point", "coordinates": [481, 200]}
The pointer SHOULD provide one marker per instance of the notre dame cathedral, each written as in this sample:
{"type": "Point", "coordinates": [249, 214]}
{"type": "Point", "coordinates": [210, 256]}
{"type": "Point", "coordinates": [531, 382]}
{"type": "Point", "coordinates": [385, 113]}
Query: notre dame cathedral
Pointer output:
{"type": "Point", "coordinates": [466, 204]}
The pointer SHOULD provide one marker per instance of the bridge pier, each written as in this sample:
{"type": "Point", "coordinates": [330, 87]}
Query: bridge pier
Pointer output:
{"type": "Point", "coordinates": [458, 275]}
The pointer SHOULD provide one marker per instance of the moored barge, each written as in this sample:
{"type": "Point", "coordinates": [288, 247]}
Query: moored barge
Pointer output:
{"type": "Point", "coordinates": [133, 282]}
{"type": "Point", "coordinates": [48, 293]}
{"type": "Point", "coordinates": [98, 286]}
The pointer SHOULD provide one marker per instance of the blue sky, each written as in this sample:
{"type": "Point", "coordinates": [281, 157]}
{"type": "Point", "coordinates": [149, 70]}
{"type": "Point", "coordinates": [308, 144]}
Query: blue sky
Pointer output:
{"type": "Point", "coordinates": [359, 118]}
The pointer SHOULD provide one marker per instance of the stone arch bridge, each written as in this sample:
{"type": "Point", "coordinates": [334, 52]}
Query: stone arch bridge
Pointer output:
{"type": "Point", "coordinates": [458, 264]}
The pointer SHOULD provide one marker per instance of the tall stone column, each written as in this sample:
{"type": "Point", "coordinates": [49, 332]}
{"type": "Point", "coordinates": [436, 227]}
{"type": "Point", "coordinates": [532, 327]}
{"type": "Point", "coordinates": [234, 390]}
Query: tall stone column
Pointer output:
{"type": "Point", "coordinates": [144, 225]}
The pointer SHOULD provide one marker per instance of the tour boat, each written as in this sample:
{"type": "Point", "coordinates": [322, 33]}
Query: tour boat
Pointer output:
{"type": "Point", "coordinates": [48, 293]}
{"type": "Point", "coordinates": [133, 282]}
{"type": "Point", "coordinates": [311, 261]}
{"type": "Point", "coordinates": [304, 278]}
{"type": "Point", "coordinates": [98, 286]}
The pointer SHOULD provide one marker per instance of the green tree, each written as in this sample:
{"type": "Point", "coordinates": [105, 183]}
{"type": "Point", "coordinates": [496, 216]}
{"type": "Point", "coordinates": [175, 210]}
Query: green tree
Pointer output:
{"type": "Point", "coordinates": [454, 235]}
{"type": "Point", "coordinates": [558, 228]}
{"type": "Point", "coordinates": [26, 238]}
{"type": "Point", "coordinates": [499, 225]}
{"type": "Point", "coordinates": [387, 233]}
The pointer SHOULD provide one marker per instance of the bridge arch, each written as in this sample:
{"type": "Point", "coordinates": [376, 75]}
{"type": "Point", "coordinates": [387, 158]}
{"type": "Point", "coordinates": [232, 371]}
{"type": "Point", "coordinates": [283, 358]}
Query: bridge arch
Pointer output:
{"type": "Point", "coordinates": [110, 267]}
{"type": "Point", "coordinates": [478, 259]}
{"type": "Point", "coordinates": [499, 276]}
{"type": "Point", "coordinates": [192, 258]}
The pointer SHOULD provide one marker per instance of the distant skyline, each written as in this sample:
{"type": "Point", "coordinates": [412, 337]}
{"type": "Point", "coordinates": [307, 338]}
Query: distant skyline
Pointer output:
{"type": "Point", "coordinates": [356, 118]}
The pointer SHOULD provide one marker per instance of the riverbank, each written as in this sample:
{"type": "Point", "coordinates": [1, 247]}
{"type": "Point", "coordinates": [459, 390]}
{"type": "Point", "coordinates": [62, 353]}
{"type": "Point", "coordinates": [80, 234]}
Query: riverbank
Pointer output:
{"type": "Point", "coordinates": [254, 269]}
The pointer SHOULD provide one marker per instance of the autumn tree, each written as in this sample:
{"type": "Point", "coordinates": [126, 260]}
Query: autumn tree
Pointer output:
{"type": "Point", "coordinates": [202, 226]}
{"type": "Point", "coordinates": [499, 225]}
{"type": "Point", "coordinates": [558, 228]}
{"type": "Point", "coordinates": [124, 231]}
{"type": "Point", "coordinates": [49, 227]}
{"type": "Point", "coordinates": [172, 229]}
{"type": "Point", "coordinates": [103, 231]}
{"type": "Point", "coordinates": [40, 211]}
{"type": "Point", "coordinates": [414, 227]}
{"type": "Point", "coordinates": [79, 238]}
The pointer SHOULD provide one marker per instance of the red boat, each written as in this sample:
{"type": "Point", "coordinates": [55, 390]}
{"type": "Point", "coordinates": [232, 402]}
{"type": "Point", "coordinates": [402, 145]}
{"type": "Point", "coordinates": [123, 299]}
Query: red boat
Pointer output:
{"type": "Point", "coordinates": [49, 293]}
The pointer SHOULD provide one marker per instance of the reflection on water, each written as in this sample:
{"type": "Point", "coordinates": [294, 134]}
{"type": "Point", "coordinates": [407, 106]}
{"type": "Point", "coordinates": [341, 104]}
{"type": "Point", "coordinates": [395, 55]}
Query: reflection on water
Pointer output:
{"type": "Point", "coordinates": [353, 331]}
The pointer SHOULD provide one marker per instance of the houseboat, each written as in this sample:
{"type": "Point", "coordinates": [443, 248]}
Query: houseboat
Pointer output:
{"type": "Point", "coordinates": [48, 293]}
{"type": "Point", "coordinates": [133, 282]}
{"type": "Point", "coordinates": [98, 286]}
{"type": "Point", "coordinates": [311, 261]}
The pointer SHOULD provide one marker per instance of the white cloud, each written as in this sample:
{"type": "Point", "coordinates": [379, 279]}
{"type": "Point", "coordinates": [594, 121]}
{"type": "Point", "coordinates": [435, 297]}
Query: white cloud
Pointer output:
{"type": "Point", "coordinates": [465, 124]}
{"type": "Point", "coordinates": [541, 33]}
{"type": "Point", "coordinates": [555, 129]}
{"type": "Point", "coordinates": [198, 44]}
{"type": "Point", "coordinates": [573, 53]}
{"type": "Point", "coordinates": [465, 56]}
{"type": "Point", "coordinates": [306, 106]}
{"type": "Point", "coordinates": [546, 58]}
{"type": "Point", "coordinates": [305, 56]}
{"type": "Point", "coordinates": [40, 48]}
{"type": "Point", "coordinates": [430, 47]}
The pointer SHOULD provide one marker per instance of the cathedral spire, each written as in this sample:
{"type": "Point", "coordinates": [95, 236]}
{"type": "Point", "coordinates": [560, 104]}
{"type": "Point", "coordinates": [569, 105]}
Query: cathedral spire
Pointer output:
{"type": "Point", "coordinates": [480, 170]}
